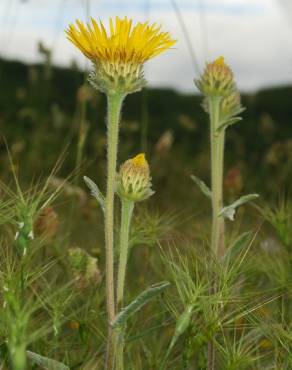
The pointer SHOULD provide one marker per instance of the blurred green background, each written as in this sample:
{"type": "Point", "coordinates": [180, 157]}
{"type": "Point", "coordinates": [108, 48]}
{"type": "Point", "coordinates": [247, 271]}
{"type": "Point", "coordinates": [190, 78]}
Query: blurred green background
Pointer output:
{"type": "Point", "coordinates": [47, 110]}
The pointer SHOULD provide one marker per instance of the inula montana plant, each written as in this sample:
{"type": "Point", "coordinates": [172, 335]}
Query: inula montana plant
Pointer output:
{"type": "Point", "coordinates": [118, 58]}
{"type": "Point", "coordinates": [222, 103]}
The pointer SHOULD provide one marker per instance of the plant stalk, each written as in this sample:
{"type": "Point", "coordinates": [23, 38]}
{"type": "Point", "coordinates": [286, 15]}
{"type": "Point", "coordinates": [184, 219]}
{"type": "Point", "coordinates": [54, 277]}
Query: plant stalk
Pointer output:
{"type": "Point", "coordinates": [217, 167]}
{"type": "Point", "coordinates": [126, 216]}
{"type": "Point", "coordinates": [83, 130]}
{"type": "Point", "coordinates": [217, 164]}
{"type": "Point", "coordinates": [120, 349]}
{"type": "Point", "coordinates": [114, 112]}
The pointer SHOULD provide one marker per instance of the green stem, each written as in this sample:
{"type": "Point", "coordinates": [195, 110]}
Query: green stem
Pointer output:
{"type": "Point", "coordinates": [126, 216]}
{"type": "Point", "coordinates": [114, 111]}
{"type": "Point", "coordinates": [217, 160]}
{"type": "Point", "coordinates": [127, 211]}
{"type": "Point", "coordinates": [81, 135]}
{"type": "Point", "coordinates": [120, 349]}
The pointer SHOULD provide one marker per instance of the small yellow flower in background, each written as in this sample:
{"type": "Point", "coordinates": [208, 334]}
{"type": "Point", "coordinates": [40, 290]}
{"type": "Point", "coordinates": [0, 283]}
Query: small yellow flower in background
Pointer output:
{"type": "Point", "coordinates": [217, 79]}
{"type": "Point", "coordinates": [119, 54]}
{"type": "Point", "coordinates": [134, 180]}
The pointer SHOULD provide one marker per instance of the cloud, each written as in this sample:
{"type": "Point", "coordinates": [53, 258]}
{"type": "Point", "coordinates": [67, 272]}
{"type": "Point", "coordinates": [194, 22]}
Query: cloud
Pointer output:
{"type": "Point", "coordinates": [253, 36]}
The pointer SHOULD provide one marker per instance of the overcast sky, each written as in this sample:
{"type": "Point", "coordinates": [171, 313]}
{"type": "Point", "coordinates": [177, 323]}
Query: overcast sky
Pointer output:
{"type": "Point", "coordinates": [254, 35]}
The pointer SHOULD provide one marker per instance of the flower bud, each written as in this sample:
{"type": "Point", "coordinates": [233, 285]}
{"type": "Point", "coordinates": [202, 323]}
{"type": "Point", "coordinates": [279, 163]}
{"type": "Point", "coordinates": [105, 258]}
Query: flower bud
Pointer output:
{"type": "Point", "coordinates": [231, 104]}
{"type": "Point", "coordinates": [217, 79]}
{"type": "Point", "coordinates": [134, 180]}
{"type": "Point", "coordinates": [84, 267]}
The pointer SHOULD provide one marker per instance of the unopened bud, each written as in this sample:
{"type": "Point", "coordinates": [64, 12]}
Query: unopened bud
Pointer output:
{"type": "Point", "coordinates": [134, 180]}
{"type": "Point", "coordinates": [217, 79]}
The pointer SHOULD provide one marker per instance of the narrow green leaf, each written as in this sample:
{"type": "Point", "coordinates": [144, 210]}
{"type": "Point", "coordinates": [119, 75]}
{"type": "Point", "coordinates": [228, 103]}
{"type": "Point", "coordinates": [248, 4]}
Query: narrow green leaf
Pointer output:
{"type": "Point", "coordinates": [228, 123]}
{"type": "Point", "coordinates": [229, 211]}
{"type": "Point", "coordinates": [138, 303]}
{"type": "Point", "coordinates": [204, 188]}
{"type": "Point", "coordinates": [182, 324]}
{"type": "Point", "coordinates": [94, 190]}
{"type": "Point", "coordinates": [239, 244]}
{"type": "Point", "coordinates": [46, 363]}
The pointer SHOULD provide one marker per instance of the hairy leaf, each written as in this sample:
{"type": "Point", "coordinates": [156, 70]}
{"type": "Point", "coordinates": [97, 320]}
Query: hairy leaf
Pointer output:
{"type": "Point", "coordinates": [139, 302]}
{"type": "Point", "coordinates": [229, 211]}
{"type": "Point", "coordinates": [204, 188]}
{"type": "Point", "coordinates": [46, 363]}
{"type": "Point", "coordinates": [94, 190]}
{"type": "Point", "coordinates": [228, 123]}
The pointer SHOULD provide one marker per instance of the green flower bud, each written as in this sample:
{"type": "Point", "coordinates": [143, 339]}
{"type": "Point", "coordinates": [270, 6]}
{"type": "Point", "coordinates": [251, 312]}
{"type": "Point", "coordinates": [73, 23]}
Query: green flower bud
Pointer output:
{"type": "Point", "coordinates": [217, 79]}
{"type": "Point", "coordinates": [84, 267]}
{"type": "Point", "coordinates": [134, 180]}
{"type": "Point", "coordinates": [231, 104]}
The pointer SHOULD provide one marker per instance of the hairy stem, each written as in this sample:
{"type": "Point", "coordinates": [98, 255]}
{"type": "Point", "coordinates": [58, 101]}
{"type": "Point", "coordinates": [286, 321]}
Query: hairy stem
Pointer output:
{"type": "Point", "coordinates": [127, 211]}
{"type": "Point", "coordinates": [120, 349]}
{"type": "Point", "coordinates": [114, 111]}
{"type": "Point", "coordinates": [81, 135]}
{"type": "Point", "coordinates": [217, 160]}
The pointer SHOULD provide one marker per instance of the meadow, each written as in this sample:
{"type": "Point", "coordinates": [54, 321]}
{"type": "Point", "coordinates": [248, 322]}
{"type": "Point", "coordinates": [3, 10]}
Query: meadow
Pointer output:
{"type": "Point", "coordinates": [184, 299]}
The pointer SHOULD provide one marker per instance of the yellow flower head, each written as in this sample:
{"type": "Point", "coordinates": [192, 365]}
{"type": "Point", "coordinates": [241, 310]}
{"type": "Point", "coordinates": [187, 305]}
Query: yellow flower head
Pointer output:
{"type": "Point", "coordinates": [220, 61]}
{"type": "Point", "coordinates": [139, 160]}
{"type": "Point", "coordinates": [217, 79]}
{"type": "Point", "coordinates": [134, 180]}
{"type": "Point", "coordinates": [120, 52]}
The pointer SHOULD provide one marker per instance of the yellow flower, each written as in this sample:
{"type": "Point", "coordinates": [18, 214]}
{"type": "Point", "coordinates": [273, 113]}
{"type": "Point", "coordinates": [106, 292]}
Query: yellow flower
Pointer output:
{"type": "Point", "coordinates": [134, 180]}
{"type": "Point", "coordinates": [120, 53]}
{"type": "Point", "coordinates": [220, 61]}
{"type": "Point", "coordinates": [139, 161]}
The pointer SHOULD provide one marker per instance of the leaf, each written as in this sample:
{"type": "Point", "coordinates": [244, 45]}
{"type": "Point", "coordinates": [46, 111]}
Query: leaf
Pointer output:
{"type": "Point", "coordinates": [138, 303]}
{"type": "Point", "coordinates": [204, 188]}
{"type": "Point", "coordinates": [228, 123]}
{"type": "Point", "coordinates": [182, 325]}
{"type": "Point", "coordinates": [94, 191]}
{"type": "Point", "coordinates": [45, 362]}
{"type": "Point", "coordinates": [229, 211]}
{"type": "Point", "coordinates": [239, 244]}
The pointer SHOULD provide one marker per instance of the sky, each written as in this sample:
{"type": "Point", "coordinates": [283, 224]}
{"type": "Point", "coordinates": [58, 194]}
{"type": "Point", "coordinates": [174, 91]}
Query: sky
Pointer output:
{"type": "Point", "coordinates": [253, 35]}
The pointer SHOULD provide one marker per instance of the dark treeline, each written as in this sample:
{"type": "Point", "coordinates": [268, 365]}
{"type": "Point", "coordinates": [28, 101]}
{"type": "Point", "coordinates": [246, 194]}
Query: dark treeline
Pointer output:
{"type": "Point", "coordinates": [44, 102]}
